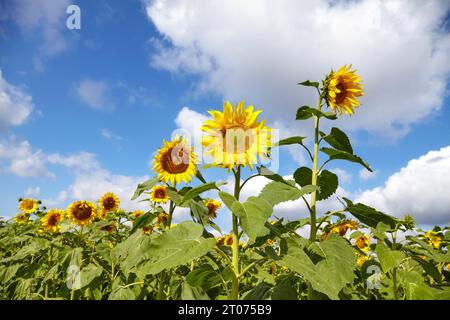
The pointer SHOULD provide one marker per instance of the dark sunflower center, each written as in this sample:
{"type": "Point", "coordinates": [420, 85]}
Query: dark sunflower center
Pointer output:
{"type": "Point", "coordinates": [211, 208]}
{"type": "Point", "coordinates": [237, 139]}
{"type": "Point", "coordinates": [340, 96]}
{"type": "Point", "coordinates": [160, 194]}
{"type": "Point", "coordinates": [109, 203]}
{"type": "Point", "coordinates": [176, 160]}
{"type": "Point", "coordinates": [82, 212]}
{"type": "Point", "coordinates": [53, 221]}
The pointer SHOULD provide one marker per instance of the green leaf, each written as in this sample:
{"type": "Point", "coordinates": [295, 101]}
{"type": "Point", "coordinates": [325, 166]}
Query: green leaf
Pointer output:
{"type": "Point", "coordinates": [200, 189]}
{"type": "Point", "coordinates": [327, 181]}
{"type": "Point", "coordinates": [89, 273]}
{"type": "Point", "coordinates": [284, 291]}
{"type": "Point", "coordinates": [147, 185]}
{"type": "Point", "coordinates": [227, 199]}
{"type": "Point", "coordinates": [339, 140]}
{"type": "Point", "coordinates": [259, 292]}
{"type": "Point", "coordinates": [142, 221]}
{"type": "Point", "coordinates": [204, 276]}
{"type": "Point", "coordinates": [389, 258]}
{"type": "Point", "coordinates": [263, 171]}
{"type": "Point", "coordinates": [291, 140]}
{"type": "Point", "coordinates": [308, 83]}
{"type": "Point", "coordinates": [305, 112]}
{"type": "Point", "coordinates": [122, 293]}
{"type": "Point", "coordinates": [369, 215]}
{"type": "Point", "coordinates": [331, 274]}
{"type": "Point", "coordinates": [176, 246]}
{"type": "Point", "coordinates": [343, 155]}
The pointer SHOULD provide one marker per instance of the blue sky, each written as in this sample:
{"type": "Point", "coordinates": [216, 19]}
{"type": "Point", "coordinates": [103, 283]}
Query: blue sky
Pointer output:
{"type": "Point", "coordinates": [85, 109]}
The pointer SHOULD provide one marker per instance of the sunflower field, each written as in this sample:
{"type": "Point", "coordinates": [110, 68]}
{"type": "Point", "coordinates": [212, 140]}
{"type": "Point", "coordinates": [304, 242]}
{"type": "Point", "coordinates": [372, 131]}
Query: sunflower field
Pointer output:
{"type": "Point", "coordinates": [98, 251]}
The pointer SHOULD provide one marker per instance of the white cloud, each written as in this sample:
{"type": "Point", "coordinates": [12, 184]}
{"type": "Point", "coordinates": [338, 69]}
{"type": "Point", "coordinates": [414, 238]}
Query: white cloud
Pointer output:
{"type": "Point", "coordinates": [365, 174]}
{"type": "Point", "coordinates": [32, 191]}
{"type": "Point", "coordinates": [94, 93]}
{"type": "Point", "coordinates": [108, 135]}
{"type": "Point", "coordinates": [420, 189]}
{"type": "Point", "coordinates": [44, 19]}
{"type": "Point", "coordinates": [18, 158]}
{"type": "Point", "coordinates": [15, 105]}
{"type": "Point", "coordinates": [343, 175]}
{"type": "Point", "coordinates": [83, 161]}
{"type": "Point", "coordinates": [190, 122]}
{"type": "Point", "coordinates": [256, 51]}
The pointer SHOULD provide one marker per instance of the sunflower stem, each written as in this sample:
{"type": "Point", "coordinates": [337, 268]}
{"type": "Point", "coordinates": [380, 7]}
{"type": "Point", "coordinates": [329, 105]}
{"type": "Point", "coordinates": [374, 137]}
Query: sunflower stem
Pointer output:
{"type": "Point", "coordinates": [315, 172]}
{"type": "Point", "coordinates": [235, 235]}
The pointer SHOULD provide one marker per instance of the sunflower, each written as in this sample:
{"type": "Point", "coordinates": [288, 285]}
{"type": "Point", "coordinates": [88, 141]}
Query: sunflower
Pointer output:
{"type": "Point", "coordinates": [362, 242]}
{"type": "Point", "coordinates": [109, 228]}
{"type": "Point", "coordinates": [28, 205]}
{"type": "Point", "coordinates": [213, 206]}
{"type": "Point", "coordinates": [159, 194]}
{"type": "Point", "coordinates": [109, 202]}
{"type": "Point", "coordinates": [175, 162]}
{"type": "Point", "coordinates": [82, 212]}
{"type": "Point", "coordinates": [225, 240]}
{"type": "Point", "coordinates": [51, 221]}
{"type": "Point", "coordinates": [136, 214]}
{"type": "Point", "coordinates": [235, 137]}
{"type": "Point", "coordinates": [341, 228]}
{"type": "Point", "coordinates": [361, 260]}
{"type": "Point", "coordinates": [161, 219]}
{"type": "Point", "coordinates": [342, 89]}
{"type": "Point", "coordinates": [147, 230]}
{"type": "Point", "coordinates": [22, 218]}
{"type": "Point", "coordinates": [434, 239]}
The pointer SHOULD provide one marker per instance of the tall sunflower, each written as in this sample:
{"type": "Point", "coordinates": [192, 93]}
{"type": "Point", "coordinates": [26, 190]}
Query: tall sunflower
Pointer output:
{"type": "Point", "coordinates": [22, 218]}
{"type": "Point", "coordinates": [175, 162]}
{"type": "Point", "coordinates": [51, 221]}
{"type": "Point", "coordinates": [109, 202]}
{"type": "Point", "coordinates": [28, 205]}
{"type": "Point", "coordinates": [342, 89]}
{"type": "Point", "coordinates": [159, 194]}
{"type": "Point", "coordinates": [235, 137]}
{"type": "Point", "coordinates": [82, 212]}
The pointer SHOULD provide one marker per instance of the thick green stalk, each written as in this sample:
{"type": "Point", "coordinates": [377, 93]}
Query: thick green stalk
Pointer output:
{"type": "Point", "coordinates": [235, 235]}
{"type": "Point", "coordinates": [163, 280]}
{"type": "Point", "coordinates": [315, 173]}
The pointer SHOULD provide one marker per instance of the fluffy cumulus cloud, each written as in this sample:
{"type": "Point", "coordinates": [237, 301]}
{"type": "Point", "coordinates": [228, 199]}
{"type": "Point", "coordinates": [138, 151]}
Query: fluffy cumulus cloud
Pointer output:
{"type": "Point", "coordinates": [94, 93]}
{"type": "Point", "coordinates": [257, 51]}
{"type": "Point", "coordinates": [44, 19]}
{"type": "Point", "coordinates": [420, 189]}
{"type": "Point", "coordinates": [15, 105]}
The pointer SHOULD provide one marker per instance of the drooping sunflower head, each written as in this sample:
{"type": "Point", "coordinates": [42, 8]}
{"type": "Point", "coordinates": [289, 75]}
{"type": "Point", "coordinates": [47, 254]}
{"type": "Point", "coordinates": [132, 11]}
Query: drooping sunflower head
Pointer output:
{"type": "Point", "coordinates": [175, 162]}
{"type": "Point", "coordinates": [342, 89]}
{"type": "Point", "coordinates": [28, 205]}
{"type": "Point", "coordinates": [159, 194]}
{"type": "Point", "coordinates": [235, 137]}
{"type": "Point", "coordinates": [109, 202]}
{"type": "Point", "coordinates": [82, 212]}
{"type": "Point", "coordinates": [136, 214]}
{"type": "Point", "coordinates": [226, 240]}
{"type": "Point", "coordinates": [161, 220]}
{"type": "Point", "coordinates": [22, 218]}
{"type": "Point", "coordinates": [213, 206]}
{"type": "Point", "coordinates": [51, 221]}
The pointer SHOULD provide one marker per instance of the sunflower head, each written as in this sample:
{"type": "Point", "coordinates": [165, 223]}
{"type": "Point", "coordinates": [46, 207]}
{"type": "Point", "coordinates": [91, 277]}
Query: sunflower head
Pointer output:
{"type": "Point", "coordinates": [28, 205]}
{"type": "Point", "coordinates": [109, 228]}
{"type": "Point", "coordinates": [213, 206]}
{"type": "Point", "coordinates": [433, 238]}
{"type": "Point", "coordinates": [147, 230]}
{"type": "Point", "coordinates": [225, 240]}
{"type": "Point", "coordinates": [235, 136]}
{"type": "Point", "coordinates": [342, 89]}
{"type": "Point", "coordinates": [159, 194]}
{"type": "Point", "coordinates": [361, 259]}
{"type": "Point", "coordinates": [51, 221]}
{"type": "Point", "coordinates": [136, 214]}
{"type": "Point", "coordinates": [175, 162]}
{"type": "Point", "coordinates": [22, 218]}
{"type": "Point", "coordinates": [362, 242]}
{"type": "Point", "coordinates": [161, 220]}
{"type": "Point", "coordinates": [109, 202]}
{"type": "Point", "coordinates": [82, 212]}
